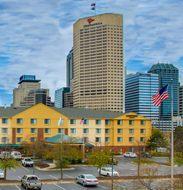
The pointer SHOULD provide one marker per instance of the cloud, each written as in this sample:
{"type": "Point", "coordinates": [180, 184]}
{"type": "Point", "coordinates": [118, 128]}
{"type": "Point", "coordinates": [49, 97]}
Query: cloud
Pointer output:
{"type": "Point", "coordinates": [36, 35]}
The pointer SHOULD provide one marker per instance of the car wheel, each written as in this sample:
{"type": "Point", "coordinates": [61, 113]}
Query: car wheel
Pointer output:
{"type": "Point", "coordinates": [108, 174]}
{"type": "Point", "coordinates": [84, 184]}
{"type": "Point", "coordinates": [26, 188]}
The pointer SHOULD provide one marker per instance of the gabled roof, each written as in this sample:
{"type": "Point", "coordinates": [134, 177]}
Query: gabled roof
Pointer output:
{"type": "Point", "coordinates": [11, 111]}
{"type": "Point", "coordinates": [75, 113]}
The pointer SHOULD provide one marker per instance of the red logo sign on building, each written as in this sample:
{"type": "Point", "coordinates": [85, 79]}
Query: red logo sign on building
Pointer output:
{"type": "Point", "coordinates": [90, 20]}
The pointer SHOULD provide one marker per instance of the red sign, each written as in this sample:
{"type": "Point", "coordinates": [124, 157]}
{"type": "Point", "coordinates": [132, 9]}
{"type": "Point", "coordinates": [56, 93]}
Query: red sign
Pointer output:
{"type": "Point", "coordinates": [90, 20]}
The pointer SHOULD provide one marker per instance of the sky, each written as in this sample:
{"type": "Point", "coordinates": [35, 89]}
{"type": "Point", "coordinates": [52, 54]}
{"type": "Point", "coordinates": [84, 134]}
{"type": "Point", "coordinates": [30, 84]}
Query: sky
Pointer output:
{"type": "Point", "coordinates": [36, 36]}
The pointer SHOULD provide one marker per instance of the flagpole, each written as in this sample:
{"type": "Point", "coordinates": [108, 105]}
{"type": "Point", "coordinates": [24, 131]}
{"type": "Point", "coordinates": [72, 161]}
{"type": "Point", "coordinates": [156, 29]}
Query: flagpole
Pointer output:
{"type": "Point", "coordinates": [172, 139]}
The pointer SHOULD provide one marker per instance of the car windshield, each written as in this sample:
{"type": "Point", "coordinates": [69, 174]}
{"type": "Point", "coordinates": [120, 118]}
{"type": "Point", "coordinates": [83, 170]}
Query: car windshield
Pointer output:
{"type": "Point", "coordinates": [28, 159]}
{"type": "Point", "coordinates": [108, 169]}
{"type": "Point", "coordinates": [1, 171]}
{"type": "Point", "coordinates": [90, 177]}
{"type": "Point", "coordinates": [32, 179]}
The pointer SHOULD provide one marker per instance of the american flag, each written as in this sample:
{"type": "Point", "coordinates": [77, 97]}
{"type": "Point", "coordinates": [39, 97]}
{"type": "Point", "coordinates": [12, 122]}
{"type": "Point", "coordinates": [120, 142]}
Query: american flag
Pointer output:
{"type": "Point", "coordinates": [93, 6]}
{"type": "Point", "coordinates": [160, 96]}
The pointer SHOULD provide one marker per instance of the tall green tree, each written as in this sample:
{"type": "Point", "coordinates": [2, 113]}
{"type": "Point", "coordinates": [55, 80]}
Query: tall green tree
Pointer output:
{"type": "Point", "coordinates": [7, 164]}
{"type": "Point", "coordinates": [100, 158]}
{"type": "Point", "coordinates": [156, 140]}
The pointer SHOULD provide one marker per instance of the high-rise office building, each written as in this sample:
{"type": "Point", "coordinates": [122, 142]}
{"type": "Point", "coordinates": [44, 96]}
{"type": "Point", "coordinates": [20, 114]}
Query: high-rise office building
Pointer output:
{"type": "Point", "coordinates": [29, 92]}
{"type": "Point", "coordinates": [98, 81]}
{"type": "Point", "coordinates": [168, 74]}
{"type": "Point", "coordinates": [140, 88]}
{"type": "Point", "coordinates": [69, 69]}
{"type": "Point", "coordinates": [181, 101]}
{"type": "Point", "coordinates": [59, 97]}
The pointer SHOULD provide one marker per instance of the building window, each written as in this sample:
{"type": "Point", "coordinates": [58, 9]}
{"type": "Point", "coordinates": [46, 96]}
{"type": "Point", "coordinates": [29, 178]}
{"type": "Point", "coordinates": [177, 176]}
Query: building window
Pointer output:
{"type": "Point", "coordinates": [119, 131]}
{"type": "Point", "coordinates": [4, 120]}
{"type": "Point", "coordinates": [33, 121]}
{"type": "Point", "coordinates": [98, 130]}
{"type": "Point", "coordinates": [73, 130]}
{"type": "Point", "coordinates": [19, 139]}
{"type": "Point", "coordinates": [47, 130]}
{"type": "Point", "coordinates": [98, 121]}
{"type": "Point", "coordinates": [97, 139]}
{"type": "Point", "coordinates": [107, 122]}
{"type": "Point", "coordinates": [131, 122]}
{"type": "Point", "coordinates": [33, 130]}
{"type": "Point", "coordinates": [19, 130]}
{"type": "Point", "coordinates": [131, 131]}
{"type": "Point", "coordinates": [107, 131]}
{"type": "Point", "coordinates": [32, 139]}
{"type": "Point", "coordinates": [107, 139]}
{"type": "Point", "coordinates": [85, 130]}
{"type": "Point", "coordinates": [119, 139]}
{"type": "Point", "coordinates": [142, 122]}
{"type": "Point", "coordinates": [119, 122]}
{"type": "Point", "coordinates": [142, 139]}
{"type": "Point", "coordinates": [4, 140]}
{"type": "Point", "coordinates": [142, 131]}
{"type": "Point", "coordinates": [131, 139]}
{"type": "Point", "coordinates": [72, 121]}
{"type": "Point", "coordinates": [61, 131]}
{"type": "Point", "coordinates": [85, 121]}
{"type": "Point", "coordinates": [4, 130]}
{"type": "Point", "coordinates": [46, 121]}
{"type": "Point", "coordinates": [19, 120]}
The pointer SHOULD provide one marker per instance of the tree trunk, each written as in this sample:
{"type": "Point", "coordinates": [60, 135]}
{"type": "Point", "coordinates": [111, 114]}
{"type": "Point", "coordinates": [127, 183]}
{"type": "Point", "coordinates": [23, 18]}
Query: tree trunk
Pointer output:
{"type": "Point", "coordinates": [5, 173]}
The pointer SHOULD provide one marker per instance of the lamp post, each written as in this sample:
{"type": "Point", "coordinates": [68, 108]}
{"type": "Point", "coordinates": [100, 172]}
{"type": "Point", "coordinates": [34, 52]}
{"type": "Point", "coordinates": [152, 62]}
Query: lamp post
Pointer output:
{"type": "Point", "coordinates": [112, 175]}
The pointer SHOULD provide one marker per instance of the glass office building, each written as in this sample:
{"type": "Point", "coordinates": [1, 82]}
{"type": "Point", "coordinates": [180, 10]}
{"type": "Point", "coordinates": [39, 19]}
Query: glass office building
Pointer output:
{"type": "Point", "coordinates": [168, 74]}
{"type": "Point", "coordinates": [59, 96]}
{"type": "Point", "coordinates": [140, 88]}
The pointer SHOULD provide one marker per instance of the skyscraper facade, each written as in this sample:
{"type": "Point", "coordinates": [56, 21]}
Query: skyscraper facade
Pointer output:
{"type": "Point", "coordinates": [98, 81]}
{"type": "Point", "coordinates": [69, 69]}
{"type": "Point", "coordinates": [26, 83]}
{"type": "Point", "coordinates": [168, 74]}
{"type": "Point", "coordinates": [181, 101]}
{"type": "Point", "coordinates": [140, 88]}
{"type": "Point", "coordinates": [59, 96]}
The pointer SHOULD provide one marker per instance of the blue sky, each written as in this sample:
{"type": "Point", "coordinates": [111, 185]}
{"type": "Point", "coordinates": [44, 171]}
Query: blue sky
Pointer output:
{"type": "Point", "coordinates": [36, 35]}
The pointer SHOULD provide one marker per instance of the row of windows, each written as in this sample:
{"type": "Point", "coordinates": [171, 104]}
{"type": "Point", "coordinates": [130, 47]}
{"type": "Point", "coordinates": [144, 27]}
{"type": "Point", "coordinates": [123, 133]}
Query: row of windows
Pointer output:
{"type": "Point", "coordinates": [107, 122]}
{"type": "Point", "coordinates": [73, 121]}
{"type": "Point", "coordinates": [119, 139]}
{"type": "Point", "coordinates": [20, 121]}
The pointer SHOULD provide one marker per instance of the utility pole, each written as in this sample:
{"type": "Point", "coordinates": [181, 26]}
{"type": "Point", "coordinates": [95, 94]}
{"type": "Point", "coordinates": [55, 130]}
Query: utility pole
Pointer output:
{"type": "Point", "coordinates": [61, 157]}
{"type": "Point", "coordinates": [172, 139]}
{"type": "Point", "coordinates": [112, 175]}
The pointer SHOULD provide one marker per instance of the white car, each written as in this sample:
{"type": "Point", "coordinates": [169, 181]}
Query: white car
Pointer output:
{"type": "Point", "coordinates": [130, 155]}
{"type": "Point", "coordinates": [31, 182]}
{"type": "Point", "coordinates": [107, 171]}
{"type": "Point", "coordinates": [16, 155]}
{"type": "Point", "coordinates": [27, 162]}
{"type": "Point", "coordinates": [87, 179]}
{"type": "Point", "coordinates": [5, 154]}
{"type": "Point", "coordinates": [1, 174]}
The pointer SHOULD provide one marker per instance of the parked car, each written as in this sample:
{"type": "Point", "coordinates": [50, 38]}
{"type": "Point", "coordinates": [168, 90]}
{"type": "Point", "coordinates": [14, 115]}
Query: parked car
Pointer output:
{"type": "Point", "coordinates": [107, 171]}
{"type": "Point", "coordinates": [27, 162]}
{"type": "Point", "coordinates": [1, 174]}
{"type": "Point", "coordinates": [31, 182]}
{"type": "Point", "coordinates": [5, 154]}
{"type": "Point", "coordinates": [130, 155]}
{"type": "Point", "coordinates": [87, 179]}
{"type": "Point", "coordinates": [146, 155]}
{"type": "Point", "coordinates": [16, 155]}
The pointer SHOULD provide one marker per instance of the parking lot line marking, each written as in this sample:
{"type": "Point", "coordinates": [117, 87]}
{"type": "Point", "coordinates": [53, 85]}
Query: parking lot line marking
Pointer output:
{"type": "Point", "coordinates": [54, 177]}
{"type": "Point", "coordinates": [69, 176]}
{"type": "Point", "coordinates": [17, 187]}
{"type": "Point", "coordinates": [59, 187]}
{"type": "Point", "coordinates": [103, 187]}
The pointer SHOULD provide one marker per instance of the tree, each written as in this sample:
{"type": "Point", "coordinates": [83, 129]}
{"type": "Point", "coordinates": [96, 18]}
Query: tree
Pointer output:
{"type": "Point", "coordinates": [156, 140]}
{"type": "Point", "coordinates": [7, 164]}
{"type": "Point", "coordinates": [100, 158]}
{"type": "Point", "coordinates": [178, 142]}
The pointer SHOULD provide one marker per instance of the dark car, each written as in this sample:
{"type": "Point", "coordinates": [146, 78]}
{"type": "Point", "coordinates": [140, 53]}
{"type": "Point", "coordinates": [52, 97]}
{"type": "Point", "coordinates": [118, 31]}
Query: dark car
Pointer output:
{"type": "Point", "coordinates": [146, 155]}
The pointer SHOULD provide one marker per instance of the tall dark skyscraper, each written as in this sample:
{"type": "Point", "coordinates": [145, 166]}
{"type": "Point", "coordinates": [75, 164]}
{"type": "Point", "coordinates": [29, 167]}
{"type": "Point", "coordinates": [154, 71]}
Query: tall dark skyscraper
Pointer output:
{"type": "Point", "coordinates": [181, 101]}
{"type": "Point", "coordinates": [168, 74]}
{"type": "Point", "coordinates": [69, 69]}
